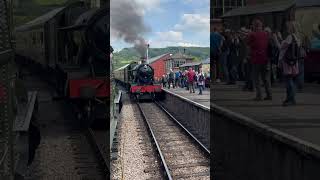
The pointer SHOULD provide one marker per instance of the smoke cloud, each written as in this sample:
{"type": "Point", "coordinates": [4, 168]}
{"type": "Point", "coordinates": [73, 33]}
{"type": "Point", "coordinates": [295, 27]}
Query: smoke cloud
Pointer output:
{"type": "Point", "coordinates": [127, 23]}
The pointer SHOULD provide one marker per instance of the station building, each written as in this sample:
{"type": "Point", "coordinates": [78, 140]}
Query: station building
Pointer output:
{"type": "Point", "coordinates": [163, 63]}
{"type": "Point", "coordinates": [204, 65]}
{"type": "Point", "coordinates": [159, 65]}
{"type": "Point", "coordinates": [176, 60]}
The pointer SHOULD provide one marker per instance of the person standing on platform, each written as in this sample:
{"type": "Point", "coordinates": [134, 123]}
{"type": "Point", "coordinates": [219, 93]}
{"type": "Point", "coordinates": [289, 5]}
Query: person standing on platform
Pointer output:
{"type": "Point", "coordinates": [258, 42]}
{"type": "Point", "coordinates": [234, 58]}
{"type": "Point", "coordinates": [186, 80]}
{"type": "Point", "coordinates": [289, 62]}
{"type": "Point", "coordinates": [177, 78]}
{"type": "Point", "coordinates": [195, 79]}
{"type": "Point", "coordinates": [171, 79]}
{"type": "Point", "coordinates": [305, 47]}
{"type": "Point", "coordinates": [201, 82]}
{"type": "Point", "coordinates": [190, 76]}
{"type": "Point", "coordinates": [273, 55]}
{"type": "Point", "coordinates": [246, 61]}
{"type": "Point", "coordinates": [224, 56]}
{"type": "Point", "coordinates": [181, 77]}
{"type": "Point", "coordinates": [215, 46]}
{"type": "Point", "coordinates": [164, 80]}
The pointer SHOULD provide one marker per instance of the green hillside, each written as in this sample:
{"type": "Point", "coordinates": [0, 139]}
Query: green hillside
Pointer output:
{"type": "Point", "coordinates": [127, 55]}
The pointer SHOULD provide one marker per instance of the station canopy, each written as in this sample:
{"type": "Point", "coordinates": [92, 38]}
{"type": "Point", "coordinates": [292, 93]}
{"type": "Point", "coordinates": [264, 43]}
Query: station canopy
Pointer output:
{"type": "Point", "coordinates": [260, 8]}
{"type": "Point", "coordinates": [191, 64]}
{"type": "Point", "coordinates": [206, 61]}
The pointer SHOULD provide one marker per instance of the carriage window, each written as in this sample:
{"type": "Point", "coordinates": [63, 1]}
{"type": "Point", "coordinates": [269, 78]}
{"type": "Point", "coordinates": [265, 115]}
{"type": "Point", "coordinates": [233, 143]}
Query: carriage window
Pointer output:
{"type": "Point", "coordinates": [33, 38]}
{"type": "Point", "coordinates": [41, 38]}
{"type": "Point", "coordinates": [77, 37]}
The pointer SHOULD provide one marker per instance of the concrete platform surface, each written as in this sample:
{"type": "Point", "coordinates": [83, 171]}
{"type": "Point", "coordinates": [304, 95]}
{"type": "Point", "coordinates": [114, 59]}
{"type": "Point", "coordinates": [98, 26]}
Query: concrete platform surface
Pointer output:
{"type": "Point", "coordinates": [203, 99]}
{"type": "Point", "coordinates": [301, 121]}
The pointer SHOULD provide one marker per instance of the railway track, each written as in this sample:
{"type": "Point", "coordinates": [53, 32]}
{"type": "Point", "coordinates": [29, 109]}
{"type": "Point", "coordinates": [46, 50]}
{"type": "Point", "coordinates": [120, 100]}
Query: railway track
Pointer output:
{"type": "Point", "coordinates": [98, 140]}
{"type": "Point", "coordinates": [181, 155]}
{"type": "Point", "coordinates": [67, 150]}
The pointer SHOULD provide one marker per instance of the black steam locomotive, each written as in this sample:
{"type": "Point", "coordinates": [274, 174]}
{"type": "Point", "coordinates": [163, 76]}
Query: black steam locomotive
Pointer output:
{"type": "Point", "coordinates": [69, 44]}
{"type": "Point", "coordinates": [139, 80]}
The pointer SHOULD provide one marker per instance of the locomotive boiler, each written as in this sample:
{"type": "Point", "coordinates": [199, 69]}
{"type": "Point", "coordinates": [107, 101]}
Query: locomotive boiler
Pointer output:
{"type": "Point", "coordinates": [139, 80]}
{"type": "Point", "coordinates": [69, 45]}
{"type": "Point", "coordinates": [143, 74]}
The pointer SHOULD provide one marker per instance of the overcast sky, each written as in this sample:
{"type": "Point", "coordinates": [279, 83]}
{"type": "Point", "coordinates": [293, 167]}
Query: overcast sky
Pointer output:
{"type": "Point", "coordinates": [172, 23]}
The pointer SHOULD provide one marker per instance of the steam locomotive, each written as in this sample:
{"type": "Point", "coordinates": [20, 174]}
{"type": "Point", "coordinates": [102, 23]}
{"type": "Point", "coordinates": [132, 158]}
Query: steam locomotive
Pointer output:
{"type": "Point", "coordinates": [139, 80]}
{"type": "Point", "coordinates": [69, 45]}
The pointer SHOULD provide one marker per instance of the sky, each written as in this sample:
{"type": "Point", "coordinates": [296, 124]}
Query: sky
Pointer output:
{"type": "Point", "coordinates": [171, 23]}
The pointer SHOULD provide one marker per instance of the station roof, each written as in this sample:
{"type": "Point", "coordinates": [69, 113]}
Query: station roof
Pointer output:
{"type": "Point", "coordinates": [151, 60]}
{"type": "Point", "coordinates": [191, 64]}
{"type": "Point", "coordinates": [260, 8]}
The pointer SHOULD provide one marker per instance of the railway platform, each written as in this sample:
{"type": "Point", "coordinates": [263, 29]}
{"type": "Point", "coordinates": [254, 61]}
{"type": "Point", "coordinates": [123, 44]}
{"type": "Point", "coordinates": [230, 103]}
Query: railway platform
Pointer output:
{"type": "Point", "coordinates": [273, 141]}
{"type": "Point", "coordinates": [203, 99]}
{"type": "Point", "coordinates": [301, 121]}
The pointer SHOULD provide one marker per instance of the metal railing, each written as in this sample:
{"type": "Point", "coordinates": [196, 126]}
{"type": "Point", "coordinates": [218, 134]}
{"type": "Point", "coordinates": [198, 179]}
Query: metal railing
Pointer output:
{"type": "Point", "coordinates": [6, 115]}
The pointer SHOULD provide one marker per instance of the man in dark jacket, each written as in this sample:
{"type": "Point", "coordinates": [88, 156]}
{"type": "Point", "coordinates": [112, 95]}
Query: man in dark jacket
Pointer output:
{"type": "Point", "coordinates": [171, 79]}
{"type": "Point", "coordinates": [216, 40]}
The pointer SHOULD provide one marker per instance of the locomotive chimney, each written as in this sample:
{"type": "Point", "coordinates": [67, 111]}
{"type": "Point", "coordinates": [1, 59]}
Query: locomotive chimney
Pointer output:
{"type": "Point", "coordinates": [148, 53]}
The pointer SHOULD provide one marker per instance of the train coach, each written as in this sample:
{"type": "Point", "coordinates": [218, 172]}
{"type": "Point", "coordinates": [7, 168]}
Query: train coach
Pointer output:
{"type": "Point", "coordinates": [69, 45]}
{"type": "Point", "coordinates": [138, 79]}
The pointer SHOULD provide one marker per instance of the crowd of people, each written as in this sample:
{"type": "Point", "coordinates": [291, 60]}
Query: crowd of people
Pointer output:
{"type": "Point", "coordinates": [258, 54]}
{"type": "Point", "coordinates": [188, 79]}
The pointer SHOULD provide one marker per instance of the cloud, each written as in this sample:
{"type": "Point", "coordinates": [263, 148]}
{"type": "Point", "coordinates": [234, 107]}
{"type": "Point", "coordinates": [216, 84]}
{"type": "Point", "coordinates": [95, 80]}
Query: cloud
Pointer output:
{"type": "Point", "coordinates": [161, 44]}
{"type": "Point", "coordinates": [194, 22]}
{"type": "Point", "coordinates": [187, 44]}
{"type": "Point", "coordinates": [173, 38]}
{"type": "Point", "coordinates": [148, 5]}
{"type": "Point", "coordinates": [170, 36]}
{"type": "Point", "coordinates": [197, 2]}
{"type": "Point", "coordinates": [188, 1]}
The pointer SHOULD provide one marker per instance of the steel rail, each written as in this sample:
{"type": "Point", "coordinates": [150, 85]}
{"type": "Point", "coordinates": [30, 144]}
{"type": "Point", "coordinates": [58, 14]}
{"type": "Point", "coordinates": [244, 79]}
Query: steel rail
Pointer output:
{"type": "Point", "coordinates": [203, 147]}
{"type": "Point", "coordinates": [164, 164]}
{"type": "Point", "coordinates": [98, 152]}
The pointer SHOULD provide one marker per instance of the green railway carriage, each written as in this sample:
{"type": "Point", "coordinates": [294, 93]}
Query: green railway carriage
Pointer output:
{"type": "Point", "coordinates": [125, 74]}
{"type": "Point", "coordinates": [67, 46]}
